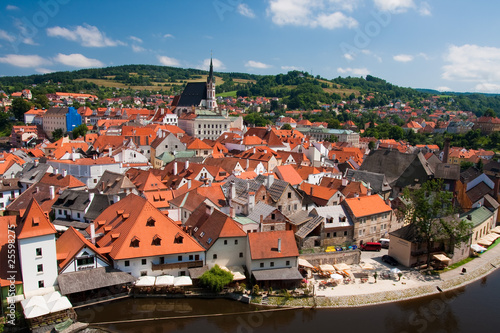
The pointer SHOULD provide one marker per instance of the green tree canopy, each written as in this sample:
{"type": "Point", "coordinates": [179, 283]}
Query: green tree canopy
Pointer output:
{"type": "Point", "coordinates": [80, 130]}
{"type": "Point", "coordinates": [57, 134]}
{"type": "Point", "coordinates": [431, 212]}
{"type": "Point", "coordinates": [286, 127]}
{"type": "Point", "coordinates": [19, 107]}
{"type": "Point", "coordinates": [216, 278]}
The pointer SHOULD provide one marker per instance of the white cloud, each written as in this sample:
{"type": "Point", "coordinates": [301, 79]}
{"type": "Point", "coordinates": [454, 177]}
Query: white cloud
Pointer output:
{"type": "Point", "coordinates": [291, 68]}
{"type": "Point", "coordinates": [25, 61]}
{"type": "Point", "coordinates": [86, 35]}
{"type": "Point", "coordinates": [137, 48]}
{"type": "Point", "coordinates": [353, 71]}
{"type": "Point", "coordinates": [29, 41]}
{"type": "Point", "coordinates": [443, 88]}
{"type": "Point", "coordinates": [256, 64]}
{"type": "Point", "coordinates": [205, 65]}
{"type": "Point", "coordinates": [167, 61]}
{"type": "Point", "coordinates": [348, 56]}
{"type": "Point", "coordinates": [487, 87]}
{"type": "Point", "coordinates": [77, 60]}
{"type": "Point", "coordinates": [168, 36]}
{"type": "Point", "coordinates": [312, 13]}
{"type": "Point", "coordinates": [473, 63]}
{"type": "Point", "coordinates": [423, 55]}
{"type": "Point", "coordinates": [136, 39]}
{"type": "Point", "coordinates": [425, 9]}
{"type": "Point", "coordinates": [11, 7]}
{"type": "Point", "coordinates": [44, 70]}
{"type": "Point", "coordinates": [394, 6]}
{"type": "Point", "coordinates": [403, 58]}
{"type": "Point", "coordinates": [244, 10]}
{"type": "Point", "coordinates": [6, 36]}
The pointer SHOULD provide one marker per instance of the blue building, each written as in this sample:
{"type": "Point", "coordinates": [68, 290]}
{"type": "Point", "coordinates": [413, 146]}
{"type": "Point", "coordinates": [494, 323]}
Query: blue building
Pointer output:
{"type": "Point", "coordinates": [73, 119]}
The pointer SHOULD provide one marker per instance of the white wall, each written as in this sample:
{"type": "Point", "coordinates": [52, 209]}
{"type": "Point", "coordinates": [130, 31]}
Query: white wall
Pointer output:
{"type": "Point", "coordinates": [254, 265]}
{"type": "Point", "coordinates": [30, 261]}
{"type": "Point", "coordinates": [227, 254]}
{"type": "Point", "coordinates": [73, 264]}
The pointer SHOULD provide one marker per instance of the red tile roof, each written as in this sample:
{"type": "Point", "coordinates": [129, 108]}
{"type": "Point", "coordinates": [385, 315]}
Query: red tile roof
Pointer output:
{"type": "Point", "coordinates": [34, 223]}
{"type": "Point", "coordinates": [367, 205]}
{"type": "Point", "coordinates": [264, 245]}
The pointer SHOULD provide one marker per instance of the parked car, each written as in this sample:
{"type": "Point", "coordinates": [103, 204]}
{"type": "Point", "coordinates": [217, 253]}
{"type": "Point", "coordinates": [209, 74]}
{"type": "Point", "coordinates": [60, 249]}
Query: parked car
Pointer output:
{"type": "Point", "coordinates": [384, 242]}
{"type": "Point", "coordinates": [390, 260]}
{"type": "Point", "coordinates": [371, 246]}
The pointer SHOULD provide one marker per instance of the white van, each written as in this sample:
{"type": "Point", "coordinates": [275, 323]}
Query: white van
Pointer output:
{"type": "Point", "coordinates": [384, 242]}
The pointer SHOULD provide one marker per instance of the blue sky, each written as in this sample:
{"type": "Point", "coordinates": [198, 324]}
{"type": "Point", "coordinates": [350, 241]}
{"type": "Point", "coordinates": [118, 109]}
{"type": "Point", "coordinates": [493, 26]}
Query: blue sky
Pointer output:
{"type": "Point", "coordinates": [437, 44]}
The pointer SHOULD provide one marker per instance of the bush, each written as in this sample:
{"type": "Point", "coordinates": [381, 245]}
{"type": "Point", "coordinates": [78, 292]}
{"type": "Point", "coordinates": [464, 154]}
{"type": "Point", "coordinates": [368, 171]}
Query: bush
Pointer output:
{"type": "Point", "coordinates": [216, 278]}
{"type": "Point", "coordinates": [256, 289]}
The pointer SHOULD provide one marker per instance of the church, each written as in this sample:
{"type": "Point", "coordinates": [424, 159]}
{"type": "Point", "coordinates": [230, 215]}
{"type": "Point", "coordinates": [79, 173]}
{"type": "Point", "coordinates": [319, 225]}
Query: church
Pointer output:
{"type": "Point", "coordinates": [198, 113]}
{"type": "Point", "coordinates": [198, 95]}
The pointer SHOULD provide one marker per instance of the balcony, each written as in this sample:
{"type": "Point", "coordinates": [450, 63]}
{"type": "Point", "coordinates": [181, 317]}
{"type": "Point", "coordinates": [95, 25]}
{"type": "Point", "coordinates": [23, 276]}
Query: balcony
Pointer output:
{"type": "Point", "coordinates": [177, 265]}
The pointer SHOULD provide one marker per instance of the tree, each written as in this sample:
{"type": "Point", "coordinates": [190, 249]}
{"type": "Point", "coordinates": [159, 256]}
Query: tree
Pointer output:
{"type": "Point", "coordinates": [216, 278]}
{"type": "Point", "coordinates": [430, 211]}
{"type": "Point", "coordinates": [57, 134]}
{"type": "Point", "coordinates": [41, 101]}
{"type": "Point", "coordinates": [287, 127]}
{"type": "Point", "coordinates": [19, 107]}
{"type": "Point", "coordinates": [490, 113]}
{"type": "Point", "coordinates": [80, 130]}
{"type": "Point", "coordinates": [372, 145]}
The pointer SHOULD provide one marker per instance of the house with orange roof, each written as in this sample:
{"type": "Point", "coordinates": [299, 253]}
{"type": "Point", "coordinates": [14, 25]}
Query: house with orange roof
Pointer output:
{"type": "Point", "coordinates": [288, 174]}
{"type": "Point", "coordinates": [296, 158]}
{"type": "Point", "coordinates": [221, 236]}
{"type": "Point", "coordinates": [24, 136]}
{"type": "Point", "coordinates": [373, 218]}
{"type": "Point", "coordinates": [269, 158]}
{"type": "Point", "coordinates": [44, 193]}
{"type": "Point", "coordinates": [272, 258]}
{"type": "Point", "coordinates": [36, 241]}
{"type": "Point", "coordinates": [286, 120]}
{"type": "Point", "coordinates": [76, 253]}
{"type": "Point", "coordinates": [199, 147]}
{"type": "Point", "coordinates": [183, 205]}
{"type": "Point", "coordinates": [164, 142]}
{"type": "Point", "coordinates": [141, 240]}
{"type": "Point", "coordinates": [321, 195]}
{"type": "Point", "coordinates": [9, 167]}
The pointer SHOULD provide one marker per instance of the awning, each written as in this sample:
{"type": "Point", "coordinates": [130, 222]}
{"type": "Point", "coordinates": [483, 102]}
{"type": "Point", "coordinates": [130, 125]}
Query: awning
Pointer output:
{"type": "Point", "coordinates": [496, 230]}
{"type": "Point", "coordinates": [164, 280]}
{"type": "Point", "coordinates": [327, 268]}
{"type": "Point", "coordinates": [145, 281]}
{"type": "Point", "coordinates": [182, 281]}
{"type": "Point", "coordinates": [441, 257]}
{"type": "Point", "coordinates": [91, 279]}
{"type": "Point", "coordinates": [277, 274]}
{"type": "Point", "coordinates": [484, 242]}
{"type": "Point", "coordinates": [342, 267]}
{"type": "Point", "coordinates": [305, 263]}
{"type": "Point", "coordinates": [477, 248]}
{"type": "Point", "coordinates": [492, 237]}
{"type": "Point", "coordinates": [237, 271]}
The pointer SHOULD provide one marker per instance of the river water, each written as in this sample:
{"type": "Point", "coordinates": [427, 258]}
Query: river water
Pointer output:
{"type": "Point", "coordinates": [474, 308]}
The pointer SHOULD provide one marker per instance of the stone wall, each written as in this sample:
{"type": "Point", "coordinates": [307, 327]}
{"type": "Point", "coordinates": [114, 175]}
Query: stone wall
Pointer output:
{"type": "Point", "coordinates": [332, 258]}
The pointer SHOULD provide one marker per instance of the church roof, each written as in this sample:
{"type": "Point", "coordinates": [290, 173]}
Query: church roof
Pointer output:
{"type": "Point", "coordinates": [193, 94]}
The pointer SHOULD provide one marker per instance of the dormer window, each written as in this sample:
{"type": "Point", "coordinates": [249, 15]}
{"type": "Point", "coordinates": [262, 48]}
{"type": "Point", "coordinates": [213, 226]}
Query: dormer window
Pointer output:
{"type": "Point", "coordinates": [134, 242]}
{"type": "Point", "coordinates": [202, 234]}
{"type": "Point", "coordinates": [178, 239]}
{"type": "Point", "coordinates": [156, 240]}
{"type": "Point", "coordinates": [151, 222]}
{"type": "Point", "coordinates": [36, 221]}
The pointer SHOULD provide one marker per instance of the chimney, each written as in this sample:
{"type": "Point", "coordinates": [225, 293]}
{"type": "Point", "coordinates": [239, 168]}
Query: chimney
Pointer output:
{"type": "Point", "coordinates": [231, 212]}
{"type": "Point", "coordinates": [270, 180]}
{"type": "Point", "coordinates": [64, 172]}
{"type": "Point", "coordinates": [345, 182]}
{"type": "Point", "coordinates": [369, 191]}
{"type": "Point", "coordinates": [251, 201]}
{"type": "Point", "coordinates": [91, 196]}
{"type": "Point", "coordinates": [36, 163]}
{"type": "Point", "coordinates": [279, 245]}
{"type": "Point", "coordinates": [175, 168]}
{"type": "Point", "coordinates": [208, 210]}
{"type": "Point", "coordinates": [92, 233]}
{"type": "Point", "coordinates": [446, 150]}
{"type": "Point", "coordinates": [253, 150]}
{"type": "Point", "coordinates": [232, 190]}
{"type": "Point", "coordinates": [248, 164]}
{"type": "Point", "coordinates": [110, 151]}
{"type": "Point", "coordinates": [261, 222]}
{"type": "Point", "coordinates": [55, 171]}
{"type": "Point", "coordinates": [189, 183]}
{"type": "Point", "coordinates": [469, 217]}
{"type": "Point", "coordinates": [187, 165]}
{"type": "Point", "coordinates": [52, 190]}
{"type": "Point", "coordinates": [116, 198]}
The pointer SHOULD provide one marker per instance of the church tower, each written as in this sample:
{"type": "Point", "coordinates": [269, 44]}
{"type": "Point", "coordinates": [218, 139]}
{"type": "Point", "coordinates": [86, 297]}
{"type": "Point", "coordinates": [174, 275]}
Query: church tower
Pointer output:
{"type": "Point", "coordinates": [211, 101]}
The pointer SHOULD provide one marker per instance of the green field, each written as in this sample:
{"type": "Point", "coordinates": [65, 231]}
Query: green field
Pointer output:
{"type": "Point", "coordinates": [228, 94]}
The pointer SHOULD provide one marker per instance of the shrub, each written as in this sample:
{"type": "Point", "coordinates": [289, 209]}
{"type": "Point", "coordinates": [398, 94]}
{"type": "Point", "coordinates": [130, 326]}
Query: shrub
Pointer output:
{"type": "Point", "coordinates": [216, 278]}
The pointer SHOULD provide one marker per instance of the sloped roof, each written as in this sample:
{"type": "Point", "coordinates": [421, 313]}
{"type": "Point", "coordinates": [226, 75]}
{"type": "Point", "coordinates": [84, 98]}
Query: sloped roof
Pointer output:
{"type": "Point", "coordinates": [34, 223]}
{"type": "Point", "coordinates": [477, 216]}
{"type": "Point", "coordinates": [367, 205]}
{"type": "Point", "coordinates": [377, 181]}
{"type": "Point", "coordinates": [478, 192]}
{"type": "Point", "coordinates": [72, 199]}
{"type": "Point", "coordinates": [59, 180]}
{"type": "Point", "coordinates": [261, 208]}
{"type": "Point", "coordinates": [40, 192]}
{"type": "Point", "coordinates": [69, 244]}
{"type": "Point", "coordinates": [113, 183]}
{"type": "Point", "coordinates": [319, 194]}
{"type": "Point", "coordinates": [447, 171]}
{"type": "Point", "coordinates": [309, 226]}
{"type": "Point", "coordinates": [288, 174]}
{"type": "Point", "coordinates": [193, 94]}
{"type": "Point", "coordinates": [128, 218]}
{"type": "Point", "coordinates": [264, 245]}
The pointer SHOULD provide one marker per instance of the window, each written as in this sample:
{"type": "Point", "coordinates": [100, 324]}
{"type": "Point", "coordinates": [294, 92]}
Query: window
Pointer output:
{"type": "Point", "coordinates": [360, 232]}
{"type": "Point", "coordinates": [144, 273]}
{"type": "Point", "coordinates": [345, 233]}
{"type": "Point", "coordinates": [127, 263]}
{"type": "Point", "coordinates": [196, 257]}
{"type": "Point", "coordinates": [134, 242]}
{"type": "Point", "coordinates": [225, 241]}
{"type": "Point", "coordinates": [287, 263]}
{"type": "Point", "coordinates": [179, 258]}
{"type": "Point", "coordinates": [261, 265]}
{"type": "Point", "coordinates": [157, 241]}
{"type": "Point", "coordinates": [241, 254]}
{"type": "Point", "coordinates": [182, 273]}
{"type": "Point", "coordinates": [272, 264]}
{"type": "Point", "coordinates": [327, 235]}
{"type": "Point", "coordinates": [295, 206]}
{"type": "Point", "coordinates": [209, 240]}
{"type": "Point", "coordinates": [334, 234]}
{"type": "Point", "coordinates": [289, 195]}
{"type": "Point", "coordinates": [273, 216]}
{"type": "Point", "coordinates": [59, 211]}
{"type": "Point", "coordinates": [190, 257]}
{"type": "Point", "coordinates": [39, 268]}
{"type": "Point", "coordinates": [85, 261]}
{"type": "Point", "coordinates": [39, 252]}
{"type": "Point", "coordinates": [235, 242]}
{"type": "Point", "coordinates": [202, 234]}
{"type": "Point", "coordinates": [214, 256]}
{"type": "Point", "coordinates": [151, 222]}
{"type": "Point", "coordinates": [272, 228]}
{"type": "Point", "coordinates": [143, 262]}
{"type": "Point", "coordinates": [280, 208]}
{"type": "Point", "coordinates": [162, 260]}
{"type": "Point", "coordinates": [40, 284]}
{"type": "Point", "coordinates": [78, 215]}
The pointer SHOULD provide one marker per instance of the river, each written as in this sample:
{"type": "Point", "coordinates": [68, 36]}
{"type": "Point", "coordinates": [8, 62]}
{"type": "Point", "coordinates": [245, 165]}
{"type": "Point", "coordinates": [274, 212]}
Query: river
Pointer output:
{"type": "Point", "coordinates": [473, 308]}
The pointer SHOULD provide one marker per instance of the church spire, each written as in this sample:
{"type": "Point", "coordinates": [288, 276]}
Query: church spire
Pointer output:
{"type": "Point", "coordinates": [210, 77]}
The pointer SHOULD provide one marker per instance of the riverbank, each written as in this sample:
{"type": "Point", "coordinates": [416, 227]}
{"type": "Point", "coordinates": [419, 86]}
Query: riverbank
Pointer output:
{"type": "Point", "coordinates": [412, 285]}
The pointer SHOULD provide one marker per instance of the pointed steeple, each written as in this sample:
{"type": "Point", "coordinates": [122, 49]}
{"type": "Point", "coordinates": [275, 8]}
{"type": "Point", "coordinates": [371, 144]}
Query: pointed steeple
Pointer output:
{"type": "Point", "coordinates": [210, 77]}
